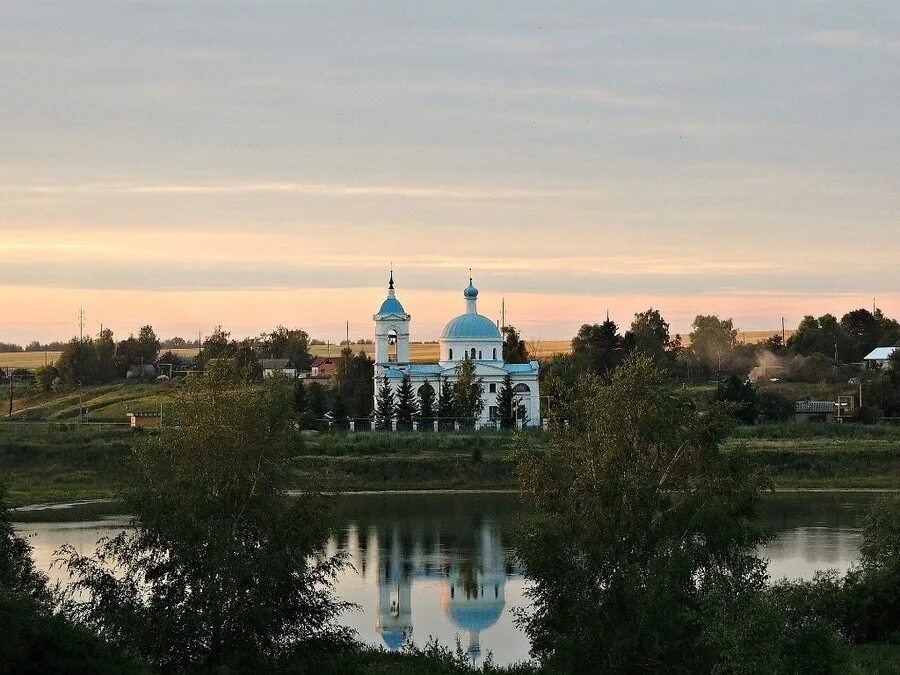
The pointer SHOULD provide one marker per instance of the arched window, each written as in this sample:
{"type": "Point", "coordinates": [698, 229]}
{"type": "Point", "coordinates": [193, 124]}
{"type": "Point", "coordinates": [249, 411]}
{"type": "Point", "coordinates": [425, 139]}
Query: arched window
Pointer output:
{"type": "Point", "coordinates": [479, 354]}
{"type": "Point", "coordinates": [451, 354]}
{"type": "Point", "coordinates": [521, 388]}
{"type": "Point", "coordinates": [392, 345]}
{"type": "Point", "coordinates": [473, 353]}
{"type": "Point", "coordinates": [495, 353]}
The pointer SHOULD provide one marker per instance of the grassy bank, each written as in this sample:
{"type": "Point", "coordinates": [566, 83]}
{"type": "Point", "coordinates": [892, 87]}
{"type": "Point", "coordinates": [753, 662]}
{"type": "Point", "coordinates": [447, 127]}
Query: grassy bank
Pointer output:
{"type": "Point", "coordinates": [62, 462]}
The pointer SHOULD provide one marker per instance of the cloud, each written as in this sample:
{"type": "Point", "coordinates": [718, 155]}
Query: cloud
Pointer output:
{"type": "Point", "coordinates": [302, 188]}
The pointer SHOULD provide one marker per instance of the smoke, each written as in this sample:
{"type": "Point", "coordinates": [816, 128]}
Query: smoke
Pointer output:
{"type": "Point", "coordinates": [767, 365]}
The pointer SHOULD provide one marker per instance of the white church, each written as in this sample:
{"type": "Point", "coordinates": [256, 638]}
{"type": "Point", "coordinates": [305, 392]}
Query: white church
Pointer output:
{"type": "Point", "coordinates": [469, 335]}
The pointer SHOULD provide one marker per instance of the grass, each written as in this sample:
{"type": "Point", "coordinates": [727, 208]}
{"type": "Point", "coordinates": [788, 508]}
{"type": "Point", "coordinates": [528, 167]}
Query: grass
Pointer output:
{"type": "Point", "coordinates": [874, 659]}
{"type": "Point", "coordinates": [104, 403]}
{"type": "Point", "coordinates": [59, 461]}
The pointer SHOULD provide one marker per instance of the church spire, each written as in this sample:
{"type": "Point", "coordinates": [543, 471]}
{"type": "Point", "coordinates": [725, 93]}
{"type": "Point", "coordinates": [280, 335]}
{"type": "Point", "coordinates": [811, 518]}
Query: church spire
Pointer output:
{"type": "Point", "coordinates": [391, 282]}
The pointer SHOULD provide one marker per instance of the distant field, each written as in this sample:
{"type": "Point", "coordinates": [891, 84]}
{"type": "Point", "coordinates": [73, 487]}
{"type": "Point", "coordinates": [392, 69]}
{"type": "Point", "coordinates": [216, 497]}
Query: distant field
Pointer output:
{"type": "Point", "coordinates": [420, 352]}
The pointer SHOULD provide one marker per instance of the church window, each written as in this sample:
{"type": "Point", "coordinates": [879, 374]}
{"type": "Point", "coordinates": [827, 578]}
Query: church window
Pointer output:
{"type": "Point", "coordinates": [451, 354]}
{"type": "Point", "coordinates": [479, 354]}
{"type": "Point", "coordinates": [495, 353]}
{"type": "Point", "coordinates": [492, 387]}
{"type": "Point", "coordinates": [473, 353]}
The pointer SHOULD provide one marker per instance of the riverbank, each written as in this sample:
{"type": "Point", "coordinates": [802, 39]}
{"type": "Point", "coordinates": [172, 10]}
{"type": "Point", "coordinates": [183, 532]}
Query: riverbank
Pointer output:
{"type": "Point", "coordinates": [65, 462]}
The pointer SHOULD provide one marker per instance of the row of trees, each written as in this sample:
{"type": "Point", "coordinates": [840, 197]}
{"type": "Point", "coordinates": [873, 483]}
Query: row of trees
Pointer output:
{"type": "Point", "coordinates": [638, 542]}
{"type": "Point", "coordinates": [459, 400]}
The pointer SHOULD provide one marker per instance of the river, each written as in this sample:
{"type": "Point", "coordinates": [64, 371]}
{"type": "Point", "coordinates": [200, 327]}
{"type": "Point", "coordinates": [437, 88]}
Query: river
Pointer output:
{"type": "Point", "coordinates": [441, 565]}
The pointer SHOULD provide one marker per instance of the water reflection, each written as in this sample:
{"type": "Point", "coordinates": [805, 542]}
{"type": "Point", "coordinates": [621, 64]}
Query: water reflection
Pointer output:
{"type": "Point", "coordinates": [440, 565]}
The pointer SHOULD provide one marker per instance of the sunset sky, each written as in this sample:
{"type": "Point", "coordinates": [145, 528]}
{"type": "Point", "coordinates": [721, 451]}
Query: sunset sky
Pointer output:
{"type": "Point", "coordinates": [187, 164]}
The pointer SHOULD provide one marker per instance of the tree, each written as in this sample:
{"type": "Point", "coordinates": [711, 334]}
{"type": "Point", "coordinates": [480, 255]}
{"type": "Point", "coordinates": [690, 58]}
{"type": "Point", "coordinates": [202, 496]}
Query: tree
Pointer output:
{"type": "Point", "coordinates": [640, 520]}
{"type": "Point", "coordinates": [467, 391]}
{"type": "Point", "coordinates": [77, 364]}
{"type": "Point", "coordinates": [105, 347]}
{"type": "Point", "coordinates": [514, 349]}
{"type": "Point", "coordinates": [224, 570]}
{"type": "Point", "coordinates": [505, 401]}
{"type": "Point", "coordinates": [887, 330]}
{"type": "Point", "coordinates": [218, 345]}
{"type": "Point", "coordinates": [148, 344]}
{"type": "Point", "coordinates": [427, 403]}
{"type": "Point", "coordinates": [318, 400]}
{"type": "Point", "coordinates": [649, 335]}
{"type": "Point", "coordinates": [861, 331]}
{"type": "Point", "coordinates": [353, 378]}
{"type": "Point", "coordinates": [406, 408]}
{"type": "Point", "coordinates": [597, 348]}
{"type": "Point", "coordinates": [823, 336]}
{"type": "Point", "coordinates": [44, 377]}
{"type": "Point", "coordinates": [713, 341]}
{"type": "Point", "coordinates": [246, 362]}
{"type": "Point", "coordinates": [286, 343]}
{"type": "Point", "coordinates": [384, 406]}
{"type": "Point", "coordinates": [743, 397]}
{"type": "Point", "coordinates": [446, 405]}
{"type": "Point", "coordinates": [17, 572]}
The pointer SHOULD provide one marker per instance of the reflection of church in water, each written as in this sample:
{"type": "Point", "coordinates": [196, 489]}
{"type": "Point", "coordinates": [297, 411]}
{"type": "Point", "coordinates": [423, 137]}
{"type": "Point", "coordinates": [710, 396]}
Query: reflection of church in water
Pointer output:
{"type": "Point", "coordinates": [472, 579]}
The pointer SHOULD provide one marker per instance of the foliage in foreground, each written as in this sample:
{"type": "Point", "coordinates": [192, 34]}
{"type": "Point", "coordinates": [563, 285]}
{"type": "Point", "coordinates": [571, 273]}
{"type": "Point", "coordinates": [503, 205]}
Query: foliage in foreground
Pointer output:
{"type": "Point", "coordinates": [641, 555]}
{"type": "Point", "coordinates": [223, 568]}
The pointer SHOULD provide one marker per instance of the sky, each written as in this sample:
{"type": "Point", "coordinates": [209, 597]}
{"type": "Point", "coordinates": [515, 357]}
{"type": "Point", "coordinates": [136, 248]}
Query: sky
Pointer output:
{"type": "Point", "coordinates": [188, 164]}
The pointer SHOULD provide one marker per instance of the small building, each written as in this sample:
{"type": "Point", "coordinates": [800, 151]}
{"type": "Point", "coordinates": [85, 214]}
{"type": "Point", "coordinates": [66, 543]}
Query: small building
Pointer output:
{"type": "Point", "coordinates": [879, 357]}
{"type": "Point", "coordinates": [145, 419]}
{"type": "Point", "coordinates": [814, 411]}
{"type": "Point", "coordinates": [285, 366]}
{"type": "Point", "coordinates": [324, 366]}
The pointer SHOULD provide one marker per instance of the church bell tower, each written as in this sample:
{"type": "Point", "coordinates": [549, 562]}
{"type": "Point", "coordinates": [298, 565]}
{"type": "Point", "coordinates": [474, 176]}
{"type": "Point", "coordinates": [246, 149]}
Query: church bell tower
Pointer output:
{"type": "Point", "coordinates": [391, 332]}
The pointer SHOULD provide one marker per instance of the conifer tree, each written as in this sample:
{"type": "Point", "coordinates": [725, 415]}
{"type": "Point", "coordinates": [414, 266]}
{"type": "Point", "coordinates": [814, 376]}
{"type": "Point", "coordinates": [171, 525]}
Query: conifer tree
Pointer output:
{"type": "Point", "coordinates": [426, 403]}
{"type": "Point", "coordinates": [384, 406]}
{"type": "Point", "coordinates": [406, 407]}
{"type": "Point", "coordinates": [446, 405]}
{"type": "Point", "coordinates": [467, 391]}
{"type": "Point", "coordinates": [505, 403]}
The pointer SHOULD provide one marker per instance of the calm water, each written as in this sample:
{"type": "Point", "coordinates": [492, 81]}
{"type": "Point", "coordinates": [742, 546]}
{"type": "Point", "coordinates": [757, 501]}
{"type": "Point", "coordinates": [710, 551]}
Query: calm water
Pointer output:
{"type": "Point", "coordinates": [440, 564]}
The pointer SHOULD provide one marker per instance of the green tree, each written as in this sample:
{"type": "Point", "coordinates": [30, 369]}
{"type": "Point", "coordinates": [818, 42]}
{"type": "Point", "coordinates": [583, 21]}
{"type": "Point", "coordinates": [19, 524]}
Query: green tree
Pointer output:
{"type": "Point", "coordinates": [514, 349]}
{"type": "Point", "coordinates": [17, 572]}
{"type": "Point", "coordinates": [318, 400]}
{"type": "Point", "coordinates": [44, 377]}
{"type": "Point", "coordinates": [406, 408]}
{"type": "Point", "coordinates": [505, 401]}
{"type": "Point", "coordinates": [217, 345]}
{"type": "Point", "coordinates": [639, 519]}
{"type": "Point", "coordinates": [384, 406]}
{"type": "Point", "coordinates": [148, 343]}
{"type": "Point", "coordinates": [861, 332]}
{"type": "Point", "coordinates": [649, 335]}
{"type": "Point", "coordinates": [223, 569]}
{"type": "Point", "coordinates": [353, 378]}
{"type": "Point", "coordinates": [446, 405]}
{"type": "Point", "coordinates": [823, 336]}
{"type": "Point", "coordinates": [887, 330]}
{"type": "Point", "coordinates": [713, 341]}
{"type": "Point", "coordinates": [77, 364]}
{"type": "Point", "coordinates": [105, 347]}
{"type": "Point", "coordinates": [427, 401]}
{"type": "Point", "coordinates": [286, 343]}
{"type": "Point", "coordinates": [743, 397]}
{"type": "Point", "coordinates": [467, 391]}
{"type": "Point", "coordinates": [597, 348]}
{"type": "Point", "coordinates": [246, 362]}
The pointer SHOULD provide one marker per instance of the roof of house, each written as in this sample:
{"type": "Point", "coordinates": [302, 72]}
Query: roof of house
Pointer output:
{"type": "Point", "coordinates": [531, 367]}
{"type": "Point", "coordinates": [321, 360]}
{"type": "Point", "coordinates": [880, 353]}
{"type": "Point", "coordinates": [815, 406]}
{"type": "Point", "coordinates": [273, 364]}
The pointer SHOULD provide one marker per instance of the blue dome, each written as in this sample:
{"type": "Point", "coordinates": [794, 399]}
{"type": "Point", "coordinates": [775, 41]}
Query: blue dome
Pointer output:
{"type": "Point", "coordinates": [478, 617]}
{"type": "Point", "coordinates": [471, 326]}
{"type": "Point", "coordinates": [391, 306]}
{"type": "Point", "coordinates": [393, 639]}
{"type": "Point", "coordinates": [470, 291]}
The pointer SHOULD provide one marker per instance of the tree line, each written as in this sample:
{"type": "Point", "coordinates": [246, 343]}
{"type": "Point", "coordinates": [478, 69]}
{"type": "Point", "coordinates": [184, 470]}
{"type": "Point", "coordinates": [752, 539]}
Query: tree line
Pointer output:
{"type": "Point", "coordinates": [822, 349]}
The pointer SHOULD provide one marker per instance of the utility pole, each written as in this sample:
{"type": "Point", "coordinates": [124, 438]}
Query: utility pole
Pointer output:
{"type": "Point", "coordinates": [782, 332]}
{"type": "Point", "coordinates": [503, 312]}
{"type": "Point", "coordinates": [9, 375]}
{"type": "Point", "coordinates": [81, 324]}
{"type": "Point", "coordinates": [348, 333]}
